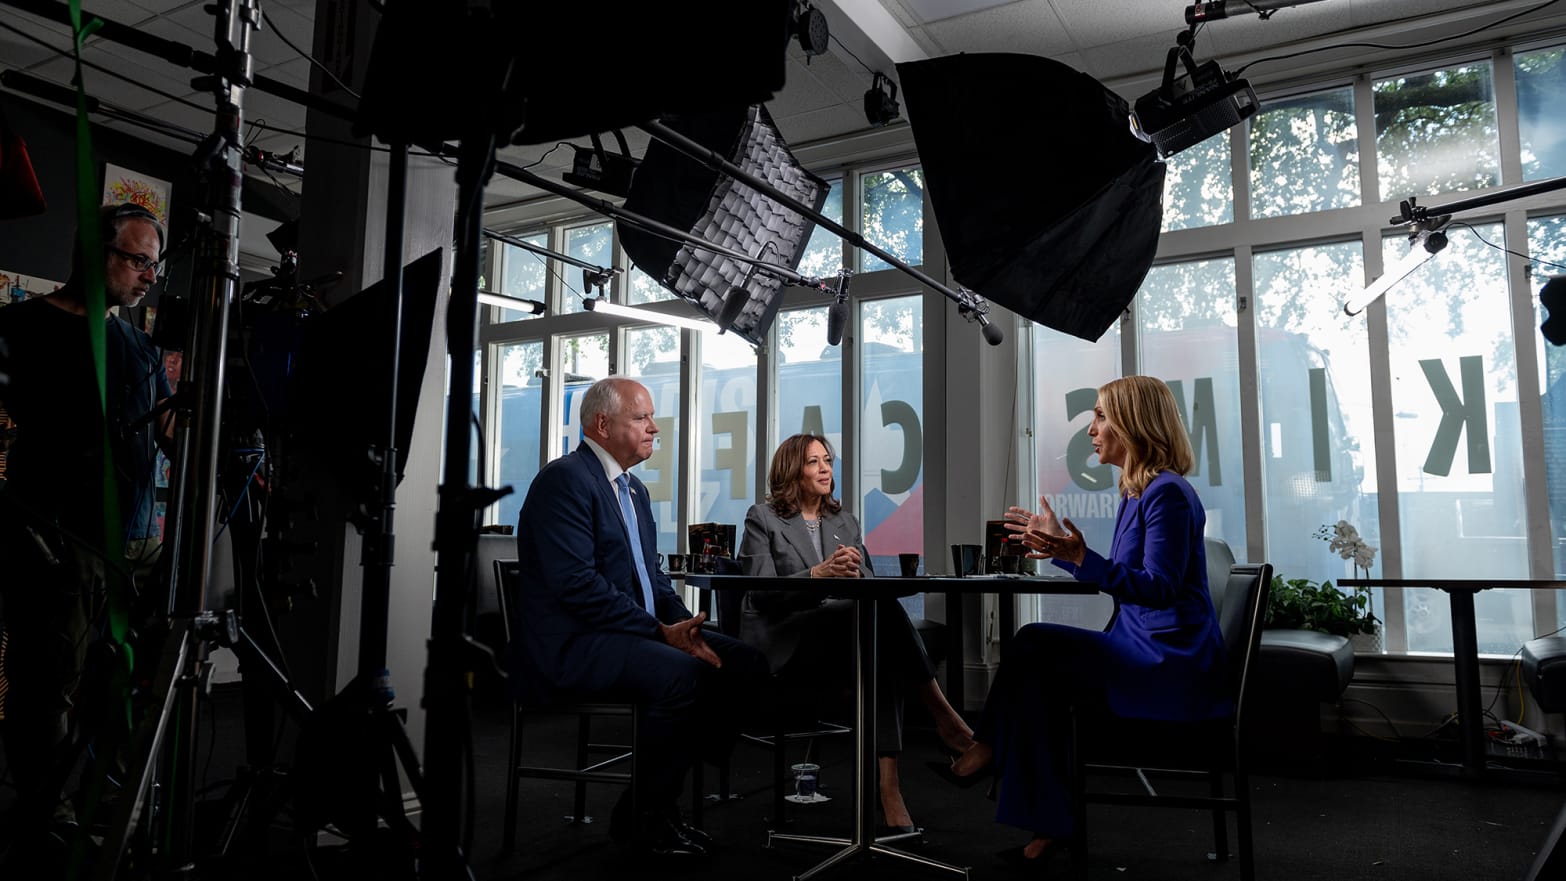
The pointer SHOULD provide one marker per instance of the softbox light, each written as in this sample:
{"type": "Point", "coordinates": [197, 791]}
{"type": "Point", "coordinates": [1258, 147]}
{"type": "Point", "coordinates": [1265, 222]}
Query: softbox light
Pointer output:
{"type": "Point", "coordinates": [1046, 203]}
{"type": "Point", "coordinates": [681, 192]}
{"type": "Point", "coordinates": [499, 65]}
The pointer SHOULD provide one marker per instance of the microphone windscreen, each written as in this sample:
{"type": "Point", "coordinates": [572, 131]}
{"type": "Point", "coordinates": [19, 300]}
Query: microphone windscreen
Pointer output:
{"type": "Point", "coordinates": [1553, 298]}
{"type": "Point", "coordinates": [837, 319]}
{"type": "Point", "coordinates": [733, 304]}
{"type": "Point", "coordinates": [993, 335]}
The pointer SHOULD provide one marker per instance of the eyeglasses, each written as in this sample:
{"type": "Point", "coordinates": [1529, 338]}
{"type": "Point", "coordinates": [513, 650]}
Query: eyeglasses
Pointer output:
{"type": "Point", "coordinates": [139, 262]}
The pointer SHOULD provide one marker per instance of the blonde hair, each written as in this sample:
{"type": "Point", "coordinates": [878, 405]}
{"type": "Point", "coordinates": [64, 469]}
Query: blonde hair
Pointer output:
{"type": "Point", "coordinates": [1143, 413]}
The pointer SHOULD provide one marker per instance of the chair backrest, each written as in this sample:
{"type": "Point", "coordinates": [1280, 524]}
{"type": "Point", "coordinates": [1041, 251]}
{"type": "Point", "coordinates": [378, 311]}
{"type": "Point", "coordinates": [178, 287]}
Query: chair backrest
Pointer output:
{"type": "Point", "coordinates": [508, 576]}
{"type": "Point", "coordinates": [1246, 596]}
{"type": "Point", "coordinates": [1219, 560]}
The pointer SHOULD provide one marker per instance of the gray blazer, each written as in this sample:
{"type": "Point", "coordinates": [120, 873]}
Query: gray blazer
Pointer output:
{"type": "Point", "coordinates": [775, 620]}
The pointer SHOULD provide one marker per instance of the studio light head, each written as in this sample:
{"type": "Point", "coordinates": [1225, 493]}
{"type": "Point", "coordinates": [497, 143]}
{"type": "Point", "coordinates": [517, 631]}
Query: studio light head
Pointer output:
{"type": "Point", "coordinates": [1185, 111]}
{"type": "Point", "coordinates": [606, 172]}
{"type": "Point", "coordinates": [676, 190]}
{"type": "Point", "coordinates": [881, 101]}
{"type": "Point", "coordinates": [810, 27]}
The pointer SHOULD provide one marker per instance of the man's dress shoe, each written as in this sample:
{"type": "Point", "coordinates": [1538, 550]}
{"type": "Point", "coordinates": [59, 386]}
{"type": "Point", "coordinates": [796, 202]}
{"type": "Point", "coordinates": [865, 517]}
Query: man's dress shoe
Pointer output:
{"type": "Point", "coordinates": [655, 834]}
{"type": "Point", "coordinates": [697, 836]}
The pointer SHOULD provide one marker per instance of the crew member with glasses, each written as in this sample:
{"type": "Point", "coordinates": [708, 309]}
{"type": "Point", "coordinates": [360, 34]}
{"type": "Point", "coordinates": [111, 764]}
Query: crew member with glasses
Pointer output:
{"type": "Point", "coordinates": [59, 548]}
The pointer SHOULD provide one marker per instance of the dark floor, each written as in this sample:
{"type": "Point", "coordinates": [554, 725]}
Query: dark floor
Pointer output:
{"type": "Point", "coordinates": [1357, 815]}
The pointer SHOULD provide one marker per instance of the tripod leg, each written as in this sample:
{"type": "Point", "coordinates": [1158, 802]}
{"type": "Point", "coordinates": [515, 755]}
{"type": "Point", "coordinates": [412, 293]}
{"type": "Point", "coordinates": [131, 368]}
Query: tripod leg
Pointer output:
{"type": "Point", "coordinates": [147, 745]}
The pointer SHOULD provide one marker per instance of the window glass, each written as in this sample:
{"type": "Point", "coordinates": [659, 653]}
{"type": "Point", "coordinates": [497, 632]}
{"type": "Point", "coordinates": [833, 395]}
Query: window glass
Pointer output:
{"type": "Point", "coordinates": [1436, 132]}
{"type": "Point", "coordinates": [726, 431]}
{"type": "Point", "coordinates": [1304, 155]}
{"type": "Point", "coordinates": [517, 443]}
{"type": "Point", "coordinates": [583, 361]}
{"type": "Point", "coordinates": [1541, 93]}
{"type": "Point", "coordinates": [592, 244]}
{"type": "Point", "coordinates": [1457, 436]}
{"type": "Point", "coordinates": [824, 251]}
{"type": "Point", "coordinates": [642, 289]}
{"type": "Point", "coordinates": [652, 357]}
{"type": "Point", "coordinates": [1188, 339]}
{"type": "Point", "coordinates": [1547, 241]}
{"type": "Point", "coordinates": [1198, 188]}
{"type": "Point", "coordinates": [1067, 372]}
{"type": "Point", "coordinates": [890, 459]}
{"type": "Point", "coordinates": [809, 382]}
{"type": "Point", "coordinates": [523, 275]}
{"type": "Point", "coordinates": [891, 216]}
{"type": "Point", "coordinates": [1318, 442]}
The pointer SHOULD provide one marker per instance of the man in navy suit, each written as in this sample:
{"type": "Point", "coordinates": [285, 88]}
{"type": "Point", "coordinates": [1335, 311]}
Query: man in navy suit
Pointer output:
{"type": "Point", "coordinates": [600, 620]}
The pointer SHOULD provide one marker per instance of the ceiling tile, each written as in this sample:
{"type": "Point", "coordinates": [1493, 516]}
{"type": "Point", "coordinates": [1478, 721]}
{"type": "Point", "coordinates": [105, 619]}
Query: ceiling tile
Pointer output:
{"type": "Point", "coordinates": [926, 11]}
{"type": "Point", "coordinates": [821, 124]}
{"type": "Point", "coordinates": [1104, 22]}
{"type": "Point", "coordinates": [1031, 27]}
{"type": "Point", "coordinates": [295, 73]}
{"type": "Point", "coordinates": [139, 75]}
{"type": "Point", "coordinates": [803, 93]}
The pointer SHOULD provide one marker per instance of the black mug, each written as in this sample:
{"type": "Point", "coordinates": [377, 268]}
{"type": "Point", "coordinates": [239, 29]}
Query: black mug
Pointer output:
{"type": "Point", "coordinates": [965, 560]}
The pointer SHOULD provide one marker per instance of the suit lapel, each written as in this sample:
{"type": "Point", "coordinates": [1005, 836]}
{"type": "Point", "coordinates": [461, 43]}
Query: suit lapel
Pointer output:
{"type": "Point", "coordinates": [799, 537]}
{"type": "Point", "coordinates": [608, 495]}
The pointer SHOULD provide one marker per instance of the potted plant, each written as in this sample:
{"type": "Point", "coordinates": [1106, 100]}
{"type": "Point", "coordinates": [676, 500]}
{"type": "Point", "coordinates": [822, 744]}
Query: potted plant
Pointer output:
{"type": "Point", "coordinates": [1301, 603]}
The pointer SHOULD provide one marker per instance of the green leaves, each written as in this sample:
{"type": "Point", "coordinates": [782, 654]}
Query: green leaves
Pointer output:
{"type": "Point", "coordinates": [1303, 604]}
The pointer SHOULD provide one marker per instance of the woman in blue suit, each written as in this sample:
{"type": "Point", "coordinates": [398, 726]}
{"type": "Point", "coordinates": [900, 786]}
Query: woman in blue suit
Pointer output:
{"type": "Point", "coordinates": [1161, 658]}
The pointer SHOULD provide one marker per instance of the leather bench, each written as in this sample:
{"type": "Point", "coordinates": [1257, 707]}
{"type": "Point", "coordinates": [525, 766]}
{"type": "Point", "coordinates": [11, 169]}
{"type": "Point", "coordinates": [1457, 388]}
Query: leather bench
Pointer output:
{"type": "Point", "coordinates": [1544, 669]}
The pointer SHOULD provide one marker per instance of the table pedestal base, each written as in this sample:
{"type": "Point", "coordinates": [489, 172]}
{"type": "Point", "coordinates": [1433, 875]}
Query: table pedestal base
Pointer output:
{"type": "Point", "coordinates": [850, 850]}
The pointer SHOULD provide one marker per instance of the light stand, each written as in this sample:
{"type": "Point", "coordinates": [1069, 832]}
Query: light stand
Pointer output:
{"type": "Point", "coordinates": [183, 666]}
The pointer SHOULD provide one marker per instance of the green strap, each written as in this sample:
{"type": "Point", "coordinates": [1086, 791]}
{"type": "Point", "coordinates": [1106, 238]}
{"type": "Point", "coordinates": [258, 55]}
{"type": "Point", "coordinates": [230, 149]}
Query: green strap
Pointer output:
{"type": "Point", "coordinates": [92, 279]}
{"type": "Point", "coordinates": [92, 268]}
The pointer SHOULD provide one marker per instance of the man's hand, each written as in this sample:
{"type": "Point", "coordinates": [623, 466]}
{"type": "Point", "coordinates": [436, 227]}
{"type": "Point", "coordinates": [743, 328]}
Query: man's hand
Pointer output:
{"type": "Point", "coordinates": [686, 636]}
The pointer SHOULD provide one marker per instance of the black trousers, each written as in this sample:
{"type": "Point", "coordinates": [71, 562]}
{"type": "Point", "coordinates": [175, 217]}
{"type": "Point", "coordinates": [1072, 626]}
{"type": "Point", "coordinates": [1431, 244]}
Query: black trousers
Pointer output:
{"type": "Point", "coordinates": [690, 710]}
{"type": "Point", "coordinates": [826, 657]}
{"type": "Point", "coordinates": [50, 590]}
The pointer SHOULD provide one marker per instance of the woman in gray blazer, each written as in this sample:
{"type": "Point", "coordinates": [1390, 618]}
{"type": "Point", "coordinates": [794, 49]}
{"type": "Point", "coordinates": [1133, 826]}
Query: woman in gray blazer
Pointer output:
{"type": "Point", "coordinates": [802, 531]}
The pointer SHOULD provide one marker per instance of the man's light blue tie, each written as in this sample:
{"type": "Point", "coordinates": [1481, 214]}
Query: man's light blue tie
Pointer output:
{"type": "Point", "coordinates": [628, 512]}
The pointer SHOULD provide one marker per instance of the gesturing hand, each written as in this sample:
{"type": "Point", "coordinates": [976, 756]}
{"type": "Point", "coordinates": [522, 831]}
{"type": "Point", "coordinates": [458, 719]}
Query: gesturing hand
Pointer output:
{"type": "Point", "coordinates": [686, 636]}
{"type": "Point", "coordinates": [1069, 547]}
{"type": "Point", "coordinates": [842, 563]}
{"type": "Point", "coordinates": [1021, 520]}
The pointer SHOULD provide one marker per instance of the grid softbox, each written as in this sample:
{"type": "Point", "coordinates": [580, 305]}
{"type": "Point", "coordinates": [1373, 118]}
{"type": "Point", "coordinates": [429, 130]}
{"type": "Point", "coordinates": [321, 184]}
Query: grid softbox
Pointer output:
{"type": "Point", "coordinates": [674, 189]}
{"type": "Point", "coordinates": [1047, 204]}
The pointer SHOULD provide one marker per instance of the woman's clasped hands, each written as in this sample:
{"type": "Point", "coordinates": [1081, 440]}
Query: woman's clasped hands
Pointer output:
{"type": "Point", "coordinates": [841, 563]}
{"type": "Point", "coordinates": [1045, 534]}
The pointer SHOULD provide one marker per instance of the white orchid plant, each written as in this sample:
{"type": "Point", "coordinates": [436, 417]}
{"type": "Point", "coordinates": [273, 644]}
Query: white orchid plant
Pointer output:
{"type": "Point", "coordinates": [1344, 540]}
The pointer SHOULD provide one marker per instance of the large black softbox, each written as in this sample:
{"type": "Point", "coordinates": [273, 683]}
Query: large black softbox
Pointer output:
{"type": "Point", "coordinates": [539, 72]}
{"type": "Point", "coordinates": [673, 188]}
{"type": "Point", "coordinates": [1046, 202]}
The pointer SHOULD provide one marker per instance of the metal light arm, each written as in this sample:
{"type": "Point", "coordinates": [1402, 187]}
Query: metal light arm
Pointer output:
{"type": "Point", "coordinates": [969, 303]}
{"type": "Point", "coordinates": [542, 251]}
{"type": "Point", "coordinates": [615, 212]}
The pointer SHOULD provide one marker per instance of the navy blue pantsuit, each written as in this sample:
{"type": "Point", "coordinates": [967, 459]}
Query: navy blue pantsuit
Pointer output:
{"type": "Point", "coordinates": [1162, 657]}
